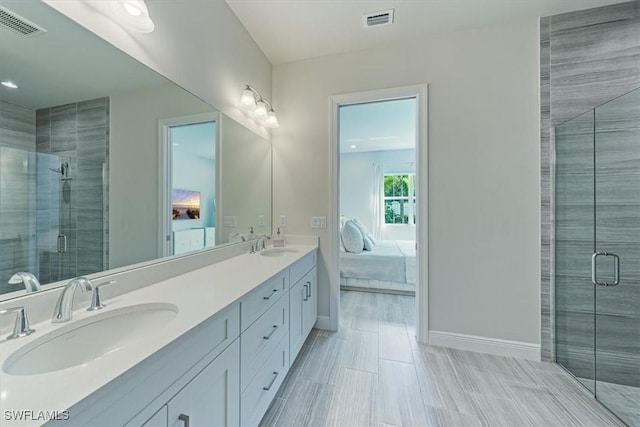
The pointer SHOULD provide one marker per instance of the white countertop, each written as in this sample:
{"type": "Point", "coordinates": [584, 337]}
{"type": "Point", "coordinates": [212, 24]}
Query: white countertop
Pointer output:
{"type": "Point", "coordinates": [198, 295]}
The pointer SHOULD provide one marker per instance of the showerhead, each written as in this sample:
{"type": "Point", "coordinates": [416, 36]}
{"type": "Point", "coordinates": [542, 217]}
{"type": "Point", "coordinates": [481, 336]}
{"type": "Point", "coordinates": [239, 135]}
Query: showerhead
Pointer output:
{"type": "Point", "coordinates": [63, 170]}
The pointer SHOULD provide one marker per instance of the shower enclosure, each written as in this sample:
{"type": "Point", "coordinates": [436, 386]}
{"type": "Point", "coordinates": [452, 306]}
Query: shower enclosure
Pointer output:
{"type": "Point", "coordinates": [52, 220]}
{"type": "Point", "coordinates": [597, 252]}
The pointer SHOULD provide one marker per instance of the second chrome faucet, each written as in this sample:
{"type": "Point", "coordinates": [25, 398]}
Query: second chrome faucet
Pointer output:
{"type": "Point", "coordinates": [63, 311]}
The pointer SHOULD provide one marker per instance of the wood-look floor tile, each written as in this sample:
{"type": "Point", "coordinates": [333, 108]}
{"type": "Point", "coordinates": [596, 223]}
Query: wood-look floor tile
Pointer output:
{"type": "Point", "coordinates": [543, 407]}
{"type": "Point", "coordinates": [270, 419]}
{"type": "Point", "coordinates": [439, 417]}
{"type": "Point", "coordinates": [360, 351]}
{"type": "Point", "coordinates": [399, 397]}
{"type": "Point", "coordinates": [294, 371]}
{"type": "Point", "coordinates": [298, 407]}
{"type": "Point", "coordinates": [496, 412]}
{"type": "Point", "coordinates": [353, 401]}
{"type": "Point", "coordinates": [324, 360]}
{"type": "Point", "coordinates": [394, 343]}
{"type": "Point", "coordinates": [439, 384]}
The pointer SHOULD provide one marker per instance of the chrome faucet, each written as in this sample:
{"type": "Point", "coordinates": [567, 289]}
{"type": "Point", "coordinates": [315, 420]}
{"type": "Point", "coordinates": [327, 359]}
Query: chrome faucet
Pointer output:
{"type": "Point", "coordinates": [260, 244]}
{"type": "Point", "coordinates": [63, 311]}
{"type": "Point", "coordinates": [30, 281]}
{"type": "Point", "coordinates": [21, 327]}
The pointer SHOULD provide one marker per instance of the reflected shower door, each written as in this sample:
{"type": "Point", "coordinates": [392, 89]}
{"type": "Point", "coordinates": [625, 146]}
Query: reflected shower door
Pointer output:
{"type": "Point", "coordinates": [617, 259]}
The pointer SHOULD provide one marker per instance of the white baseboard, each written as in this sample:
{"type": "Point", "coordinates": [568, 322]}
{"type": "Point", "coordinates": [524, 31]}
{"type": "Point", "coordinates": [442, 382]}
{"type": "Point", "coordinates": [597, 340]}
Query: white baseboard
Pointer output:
{"type": "Point", "coordinates": [520, 350]}
{"type": "Point", "coordinates": [323, 322]}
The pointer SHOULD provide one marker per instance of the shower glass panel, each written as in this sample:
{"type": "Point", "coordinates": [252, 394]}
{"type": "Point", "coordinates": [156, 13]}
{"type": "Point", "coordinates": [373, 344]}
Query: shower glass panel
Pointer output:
{"type": "Point", "coordinates": [574, 247]}
{"type": "Point", "coordinates": [597, 252]}
{"type": "Point", "coordinates": [617, 226]}
{"type": "Point", "coordinates": [52, 216]}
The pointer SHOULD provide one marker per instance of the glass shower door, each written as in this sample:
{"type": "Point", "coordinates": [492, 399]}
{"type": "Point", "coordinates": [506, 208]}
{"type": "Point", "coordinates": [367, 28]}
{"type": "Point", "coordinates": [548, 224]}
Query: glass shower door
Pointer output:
{"type": "Point", "coordinates": [616, 269]}
{"type": "Point", "coordinates": [574, 245]}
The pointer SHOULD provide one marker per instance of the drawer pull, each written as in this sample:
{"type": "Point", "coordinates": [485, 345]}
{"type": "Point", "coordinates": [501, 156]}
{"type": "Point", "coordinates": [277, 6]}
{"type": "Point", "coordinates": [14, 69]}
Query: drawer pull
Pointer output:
{"type": "Point", "coordinates": [309, 290]}
{"type": "Point", "coordinates": [273, 380]}
{"type": "Point", "coordinates": [185, 419]}
{"type": "Point", "coordinates": [306, 293]}
{"type": "Point", "coordinates": [273, 331]}
{"type": "Point", "coordinates": [275, 291]}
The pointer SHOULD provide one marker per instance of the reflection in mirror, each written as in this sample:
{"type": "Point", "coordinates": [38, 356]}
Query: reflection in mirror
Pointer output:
{"type": "Point", "coordinates": [81, 184]}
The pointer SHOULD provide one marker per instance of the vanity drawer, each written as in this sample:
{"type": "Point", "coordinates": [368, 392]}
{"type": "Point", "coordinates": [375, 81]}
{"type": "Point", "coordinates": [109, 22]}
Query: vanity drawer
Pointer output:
{"type": "Point", "coordinates": [257, 397]}
{"type": "Point", "coordinates": [261, 338]}
{"type": "Point", "coordinates": [260, 299]}
{"type": "Point", "coordinates": [302, 267]}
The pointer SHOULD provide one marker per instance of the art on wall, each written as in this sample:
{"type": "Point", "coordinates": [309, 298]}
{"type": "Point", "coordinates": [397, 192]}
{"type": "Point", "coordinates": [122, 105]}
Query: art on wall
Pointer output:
{"type": "Point", "coordinates": [185, 204]}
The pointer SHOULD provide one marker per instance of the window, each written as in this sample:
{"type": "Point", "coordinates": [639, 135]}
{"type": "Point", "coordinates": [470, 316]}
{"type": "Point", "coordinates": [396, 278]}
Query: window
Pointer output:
{"type": "Point", "coordinates": [400, 198]}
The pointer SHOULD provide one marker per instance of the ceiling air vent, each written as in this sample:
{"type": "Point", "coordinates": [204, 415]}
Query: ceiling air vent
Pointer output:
{"type": "Point", "coordinates": [378, 19]}
{"type": "Point", "coordinates": [18, 24]}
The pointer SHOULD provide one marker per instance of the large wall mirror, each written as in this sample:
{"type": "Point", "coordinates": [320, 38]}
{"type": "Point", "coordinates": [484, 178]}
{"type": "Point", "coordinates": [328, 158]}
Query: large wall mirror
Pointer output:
{"type": "Point", "coordinates": [104, 163]}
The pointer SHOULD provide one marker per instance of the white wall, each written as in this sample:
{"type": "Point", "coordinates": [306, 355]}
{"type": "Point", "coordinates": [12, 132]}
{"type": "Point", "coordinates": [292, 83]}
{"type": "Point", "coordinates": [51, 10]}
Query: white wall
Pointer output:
{"type": "Point", "coordinates": [200, 45]}
{"type": "Point", "coordinates": [483, 166]}
{"type": "Point", "coordinates": [357, 177]}
{"type": "Point", "coordinates": [134, 178]}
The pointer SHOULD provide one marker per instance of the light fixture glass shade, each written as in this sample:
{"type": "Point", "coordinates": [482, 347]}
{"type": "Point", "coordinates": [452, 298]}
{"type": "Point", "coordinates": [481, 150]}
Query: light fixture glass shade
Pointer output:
{"type": "Point", "coordinates": [261, 110]}
{"type": "Point", "coordinates": [272, 120]}
{"type": "Point", "coordinates": [9, 84]}
{"type": "Point", "coordinates": [248, 100]}
{"type": "Point", "coordinates": [132, 14]}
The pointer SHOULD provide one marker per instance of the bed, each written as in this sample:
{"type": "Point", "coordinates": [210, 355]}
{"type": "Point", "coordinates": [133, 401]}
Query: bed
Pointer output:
{"type": "Point", "coordinates": [390, 265]}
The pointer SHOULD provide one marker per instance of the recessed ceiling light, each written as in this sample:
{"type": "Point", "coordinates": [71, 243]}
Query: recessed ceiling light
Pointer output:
{"type": "Point", "coordinates": [354, 146]}
{"type": "Point", "coordinates": [9, 84]}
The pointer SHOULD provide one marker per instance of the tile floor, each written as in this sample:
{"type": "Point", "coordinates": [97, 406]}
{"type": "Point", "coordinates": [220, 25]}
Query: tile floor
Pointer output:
{"type": "Point", "coordinates": [373, 373]}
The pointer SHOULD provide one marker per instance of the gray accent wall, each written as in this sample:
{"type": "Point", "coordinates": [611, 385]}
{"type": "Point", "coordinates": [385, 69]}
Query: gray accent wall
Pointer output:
{"type": "Point", "coordinates": [586, 59]}
{"type": "Point", "coordinates": [76, 135]}
{"type": "Point", "coordinates": [17, 195]}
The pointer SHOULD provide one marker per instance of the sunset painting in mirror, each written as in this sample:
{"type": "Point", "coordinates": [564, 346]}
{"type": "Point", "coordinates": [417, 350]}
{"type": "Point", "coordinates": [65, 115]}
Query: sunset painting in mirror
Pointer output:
{"type": "Point", "coordinates": [185, 204]}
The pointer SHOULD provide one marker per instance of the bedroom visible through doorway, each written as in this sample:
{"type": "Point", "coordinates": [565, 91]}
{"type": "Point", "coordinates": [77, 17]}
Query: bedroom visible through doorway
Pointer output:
{"type": "Point", "coordinates": [377, 196]}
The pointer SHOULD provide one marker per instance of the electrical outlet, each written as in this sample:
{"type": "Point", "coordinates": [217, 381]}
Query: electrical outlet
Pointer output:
{"type": "Point", "coordinates": [260, 220]}
{"type": "Point", "coordinates": [230, 221]}
{"type": "Point", "coordinates": [283, 221]}
{"type": "Point", "coordinates": [318, 222]}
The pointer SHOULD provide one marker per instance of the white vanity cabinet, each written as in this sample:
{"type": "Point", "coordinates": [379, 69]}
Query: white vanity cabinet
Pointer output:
{"type": "Point", "coordinates": [210, 399]}
{"type": "Point", "coordinates": [303, 304]}
{"type": "Point", "coordinates": [224, 371]}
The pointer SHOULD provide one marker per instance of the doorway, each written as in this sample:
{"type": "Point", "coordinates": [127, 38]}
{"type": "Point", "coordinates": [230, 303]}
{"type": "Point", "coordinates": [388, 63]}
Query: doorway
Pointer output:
{"type": "Point", "coordinates": [189, 149]}
{"type": "Point", "coordinates": [379, 168]}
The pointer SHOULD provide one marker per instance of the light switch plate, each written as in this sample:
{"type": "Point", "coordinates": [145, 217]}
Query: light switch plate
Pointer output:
{"type": "Point", "coordinates": [260, 220]}
{"type": "Point", "coordinates": [318, 222]}
{"type": "Point", "coordinates": [229, 221]}
{"type": "Point", "coordinates": [283, 221]}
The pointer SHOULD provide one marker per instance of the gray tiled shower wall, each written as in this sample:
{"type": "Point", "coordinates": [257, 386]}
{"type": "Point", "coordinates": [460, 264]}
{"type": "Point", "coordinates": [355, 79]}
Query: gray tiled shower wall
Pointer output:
{"type": "Point", "coordinates": [586, 59]}
{"type": "Point", "coordinates": [17, 195]}
{"type": "Point", "coordinates": [75, 135]}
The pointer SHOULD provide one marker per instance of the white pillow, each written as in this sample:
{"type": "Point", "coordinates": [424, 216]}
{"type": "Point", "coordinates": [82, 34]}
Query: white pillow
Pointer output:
{"type": "Point", "coordinates": [368, 244]}
{"type": "Point", "coordinates": [352, 238]}
{"type": "Point", "coordinates": [370, 236]}
{"type": "Point", "coordinates": [361, 227]}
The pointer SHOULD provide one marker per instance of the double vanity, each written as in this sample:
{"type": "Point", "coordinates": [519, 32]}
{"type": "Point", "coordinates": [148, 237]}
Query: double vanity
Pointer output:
{"type": "Point", "coordinates": [209, 347]}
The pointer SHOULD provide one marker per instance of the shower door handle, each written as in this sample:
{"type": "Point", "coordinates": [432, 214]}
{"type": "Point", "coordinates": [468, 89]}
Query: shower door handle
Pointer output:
{"type": "Point", "coordinates": [62, 243]}
{"type": "Point", "coordinates": [616, 269]}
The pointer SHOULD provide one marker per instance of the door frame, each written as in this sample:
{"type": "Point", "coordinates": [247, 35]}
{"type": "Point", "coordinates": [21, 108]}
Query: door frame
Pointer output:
{"type": "Point", "coordinates": [165, 173]}
{"type": "Point", "coordinates": [420, 92]}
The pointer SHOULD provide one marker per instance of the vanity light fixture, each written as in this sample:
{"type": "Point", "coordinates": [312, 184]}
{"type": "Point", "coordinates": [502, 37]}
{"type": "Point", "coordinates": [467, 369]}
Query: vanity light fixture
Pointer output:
{"type": "Point", "coordinates": [259, 108]}
{"type": "Point", "coordinates": [9, 84]}
{"type": "Point", "coordinates": [133, 14]}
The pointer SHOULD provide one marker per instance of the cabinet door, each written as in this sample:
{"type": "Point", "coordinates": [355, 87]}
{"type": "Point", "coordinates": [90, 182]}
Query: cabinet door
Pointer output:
{"type": "Point", "coordinates": [212, 398]}
{"type": "Point", "coordinates": [310, 308]}
{"type": "Point", "coordinates": [159, 419]}
{"type": "Point", "coordinates": [297, 295]}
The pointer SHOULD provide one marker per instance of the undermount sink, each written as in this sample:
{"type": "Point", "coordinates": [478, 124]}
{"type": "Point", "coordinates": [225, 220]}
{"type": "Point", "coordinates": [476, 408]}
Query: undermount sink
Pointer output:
{"type": "Point", "coordinates": [86, 340]}
{"type": "Point", "coordinates": [274, 252]}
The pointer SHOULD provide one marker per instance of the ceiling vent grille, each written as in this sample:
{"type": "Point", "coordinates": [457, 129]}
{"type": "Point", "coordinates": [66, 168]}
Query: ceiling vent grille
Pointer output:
{"type": "Point", "coordinates": [378, 19]}
{"type": "Point", "coordinates": [18, 24]}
